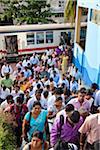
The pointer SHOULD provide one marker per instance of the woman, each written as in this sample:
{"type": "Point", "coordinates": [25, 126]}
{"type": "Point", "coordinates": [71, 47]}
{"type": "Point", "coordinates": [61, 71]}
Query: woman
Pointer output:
{"type": "Point", "coordinates": [37, 142]}
{"type": "Point", "coordinates": [64, 63]}
{"type": "Point", "coordinates": [35, 120]}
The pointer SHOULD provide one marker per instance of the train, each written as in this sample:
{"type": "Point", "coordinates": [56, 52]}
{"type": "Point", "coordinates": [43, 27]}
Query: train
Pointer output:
{"type": "Point", "coordinates": [26, 39]}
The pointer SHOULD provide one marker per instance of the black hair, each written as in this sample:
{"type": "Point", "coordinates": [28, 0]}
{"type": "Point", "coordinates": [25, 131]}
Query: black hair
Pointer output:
{"type": "Point", "coordinates": [38, 134]}
{"type": "Point", "coordinates": [9, 97]}
{"type": "Point", "coordinates": [19, 100]}
{"type": "Point", "coordinates": [69, 108]}
{"type": "Point", "coordinates": [47, 86]}
{"type": "Point", "coordinates": [4, 88]}
{"type": "Point", "coordinates": [38, 91]}
{"type": "Point", "coordinates": [74, 116]}
{"type": "Point", "coordinates": [59, 91]}
{"type": "Point", "coordinates": [36, 103]}
{"type": "Point", "coordinates": [89, 92]}
{"type": "Point", "coordinates": [45, 93]}
{"type": "Point", "coordinates": [58, 99]}
{"type": "Point", "coordinates": [51, 79]}
{"type": "Point", "coordinates": [94, 86]}
{"type": "Point", "coordinates": [38, 86]}
{"type": "Point", "coordinates": [82, 90]}
{"type": "Point", "coordinates": [21, 95]}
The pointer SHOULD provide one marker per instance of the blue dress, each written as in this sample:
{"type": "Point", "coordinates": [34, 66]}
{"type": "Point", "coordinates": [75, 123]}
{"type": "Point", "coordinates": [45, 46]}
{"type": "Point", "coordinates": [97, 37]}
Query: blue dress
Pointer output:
{"type": "Point", "coordinates": [37, 124]}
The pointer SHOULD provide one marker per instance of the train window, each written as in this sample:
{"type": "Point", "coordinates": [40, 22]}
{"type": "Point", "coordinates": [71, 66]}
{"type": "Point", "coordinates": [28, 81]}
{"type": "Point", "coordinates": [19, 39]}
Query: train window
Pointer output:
{"type": "Point", "coordinates": [49, 37]}
{"type": "Point", "coordinates": [95, 16]}
{"type": "Point", "coordinates": [30, 39]}
{"type": "Point", "coordinates": [40, 37]}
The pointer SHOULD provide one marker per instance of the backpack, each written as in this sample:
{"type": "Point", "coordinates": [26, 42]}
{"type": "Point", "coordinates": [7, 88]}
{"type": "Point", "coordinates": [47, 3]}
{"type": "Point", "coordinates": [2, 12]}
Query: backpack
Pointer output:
{"type": "Point", "coordinates": [61, 144]}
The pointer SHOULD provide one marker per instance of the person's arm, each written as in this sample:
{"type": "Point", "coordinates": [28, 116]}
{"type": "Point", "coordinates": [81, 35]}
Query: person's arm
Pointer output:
{"type": "Point", "coordinates": [25, 123]}
{"type": "Point", "coordinates": [82, 141]}
{"type": "Point", "coordinates": [54, 132]}
{"type": "Point", "coordinates": [83, 130]}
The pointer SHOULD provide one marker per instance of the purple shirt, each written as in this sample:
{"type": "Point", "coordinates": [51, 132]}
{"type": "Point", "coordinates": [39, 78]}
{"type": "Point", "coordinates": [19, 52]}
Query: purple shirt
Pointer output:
{"type": "Point", "coordinates": [75, 102]}
{"type": "Point", "coordinates": [68, 133]}
{"type": "Point", "coordinates": [58, 51]}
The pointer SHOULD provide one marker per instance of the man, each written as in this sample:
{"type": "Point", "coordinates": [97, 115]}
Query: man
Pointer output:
{"type": "Point", "coordinates": [8, 101]}
{"type": "Point", "coordinates": [90, 129]}
{"type": "Point", "coordinates": [7, 82]}
{"type": "Point", "coordinates": [80, 101]}
{"type": "Point", "coordinates": [4, 92]}
{"type": "Point", "coordinates": [37, 97]}
{"type": "Point", "coordinates": [54, 109]}
{"type": "Point", "coordinates": [18, 111]}
{"type": "Point", "coordinates": [69, 132]}
{"type": "Point", "coordinates": [6, 69]}
{"type": "Point", "coordinates": [97, 100]}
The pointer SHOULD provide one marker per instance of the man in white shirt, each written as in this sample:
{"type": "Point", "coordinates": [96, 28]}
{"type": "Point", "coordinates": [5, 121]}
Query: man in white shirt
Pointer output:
{"type": "Point", "coordinates": [4, 92]}
{"type": "Point", "coordinates": [63, 80]}
{"type": "Point", "coordinates": [52, 98]}
{"type": "Point", "coordinates": [6, 69]}
{"type": "Point", "coordinates": [36, 97]}
{"type": "Point", "coordinates": [5, 104]}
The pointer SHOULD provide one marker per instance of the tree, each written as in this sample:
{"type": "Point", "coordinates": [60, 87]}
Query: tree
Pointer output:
{"type": "Point", "coordinates": [26, 11]}
{"type": "Point", "coordinates": [7, 132]}
{"type": "Point", "coordinates": [70, 11]}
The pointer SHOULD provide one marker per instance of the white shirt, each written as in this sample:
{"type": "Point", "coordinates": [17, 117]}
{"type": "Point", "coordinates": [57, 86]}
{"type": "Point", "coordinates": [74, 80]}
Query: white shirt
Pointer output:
{"type": "Point", "coordinates": [73, 86]}
{"type": "Point", "coordinates": [25, 63]}
{"type": "Point", "coordinates": [33, 99]}
{"type": "Point", "coordinates": [14, 94]}
{"type": "Point", "coordinates": [4, 94]}
{"type": "Point", "coordinates": [65, 81]}
{"type": "Point", "coordinates": [4, 105]}
{"type": "Point", "coordinates": [18, 65]}
{"type": "Point", "coordinates": [6, 69]}
{"type": "Point", "coordinates": [51, 101]}
{"type": "Point", "coordinates": [97, 99]}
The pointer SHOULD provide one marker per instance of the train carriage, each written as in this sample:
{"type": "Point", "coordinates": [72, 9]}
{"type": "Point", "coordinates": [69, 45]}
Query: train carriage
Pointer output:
{"type": "Point", "coordinates": [25, 39]}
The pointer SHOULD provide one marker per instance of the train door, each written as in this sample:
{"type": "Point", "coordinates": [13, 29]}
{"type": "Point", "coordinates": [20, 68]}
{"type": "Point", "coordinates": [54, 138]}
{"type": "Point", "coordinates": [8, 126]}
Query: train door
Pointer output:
{"type": "Point", "coordinates": [11, 45]}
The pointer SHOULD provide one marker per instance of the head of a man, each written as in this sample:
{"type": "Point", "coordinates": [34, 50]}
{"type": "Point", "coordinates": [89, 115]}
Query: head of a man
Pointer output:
{"type": "Point", "coordinates": [74, 117]}
{"type": "Point", "coordinates": [38, 94]}
{"type": "Point", "coordinates": [58, 103]}
{"type": "Point", "coordinates": [81, 95]}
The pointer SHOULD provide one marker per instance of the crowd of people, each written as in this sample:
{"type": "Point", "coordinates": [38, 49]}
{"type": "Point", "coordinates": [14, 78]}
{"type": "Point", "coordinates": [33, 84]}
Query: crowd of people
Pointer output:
{"type": "Point", "coordinates": [52, 110]}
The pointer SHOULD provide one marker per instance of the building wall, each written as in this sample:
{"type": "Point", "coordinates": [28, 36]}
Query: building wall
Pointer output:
{"type": "Point", "coordinates": [88, 60]}
{"type": "Point", "coordinates": [56, 9]}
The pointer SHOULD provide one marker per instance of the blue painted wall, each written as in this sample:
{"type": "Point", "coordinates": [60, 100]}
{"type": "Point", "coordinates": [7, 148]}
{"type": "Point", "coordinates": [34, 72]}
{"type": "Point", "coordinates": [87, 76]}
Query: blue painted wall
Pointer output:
{"type": "Point", "coordinates": [88, 61]}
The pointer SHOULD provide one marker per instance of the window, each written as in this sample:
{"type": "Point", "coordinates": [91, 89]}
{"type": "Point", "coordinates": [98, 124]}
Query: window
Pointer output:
{"type": "Point", "coordinates": [49, 37]}
{"type": "Point", "coordinates": [95, 16]}
{"type": "Point", "coordinates": [30, 39]}
{"type": "Point", "coordinates": [61, 3]}
{"type": "Point", "coordinates": [81, 31]}
{"type": "Point", "coordinates": [59, 15]}
{"type": "Point", "coordinates": [40, 37]}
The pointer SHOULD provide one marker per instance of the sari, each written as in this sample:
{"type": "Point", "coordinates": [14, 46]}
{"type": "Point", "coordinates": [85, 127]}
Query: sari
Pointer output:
{"type": "Point", "coordinates": [37, 124]}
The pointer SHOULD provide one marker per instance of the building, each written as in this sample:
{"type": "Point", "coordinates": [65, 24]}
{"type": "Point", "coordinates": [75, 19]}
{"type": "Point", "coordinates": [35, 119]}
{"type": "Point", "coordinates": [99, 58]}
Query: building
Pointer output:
{"type": "Point", "coordinates": [87, 52]}
{"type": "Point", "coordinates": [57, 7]}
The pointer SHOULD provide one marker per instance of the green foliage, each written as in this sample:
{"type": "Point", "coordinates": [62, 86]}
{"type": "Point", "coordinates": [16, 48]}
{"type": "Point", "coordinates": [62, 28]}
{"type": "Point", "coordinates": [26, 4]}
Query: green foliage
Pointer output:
{"type": "Point", "coordinates": [7, 137]}
{"type": "Point", "coordinates": [27, 11]}
{"type": "Point", "coordinates": [70, 9]}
